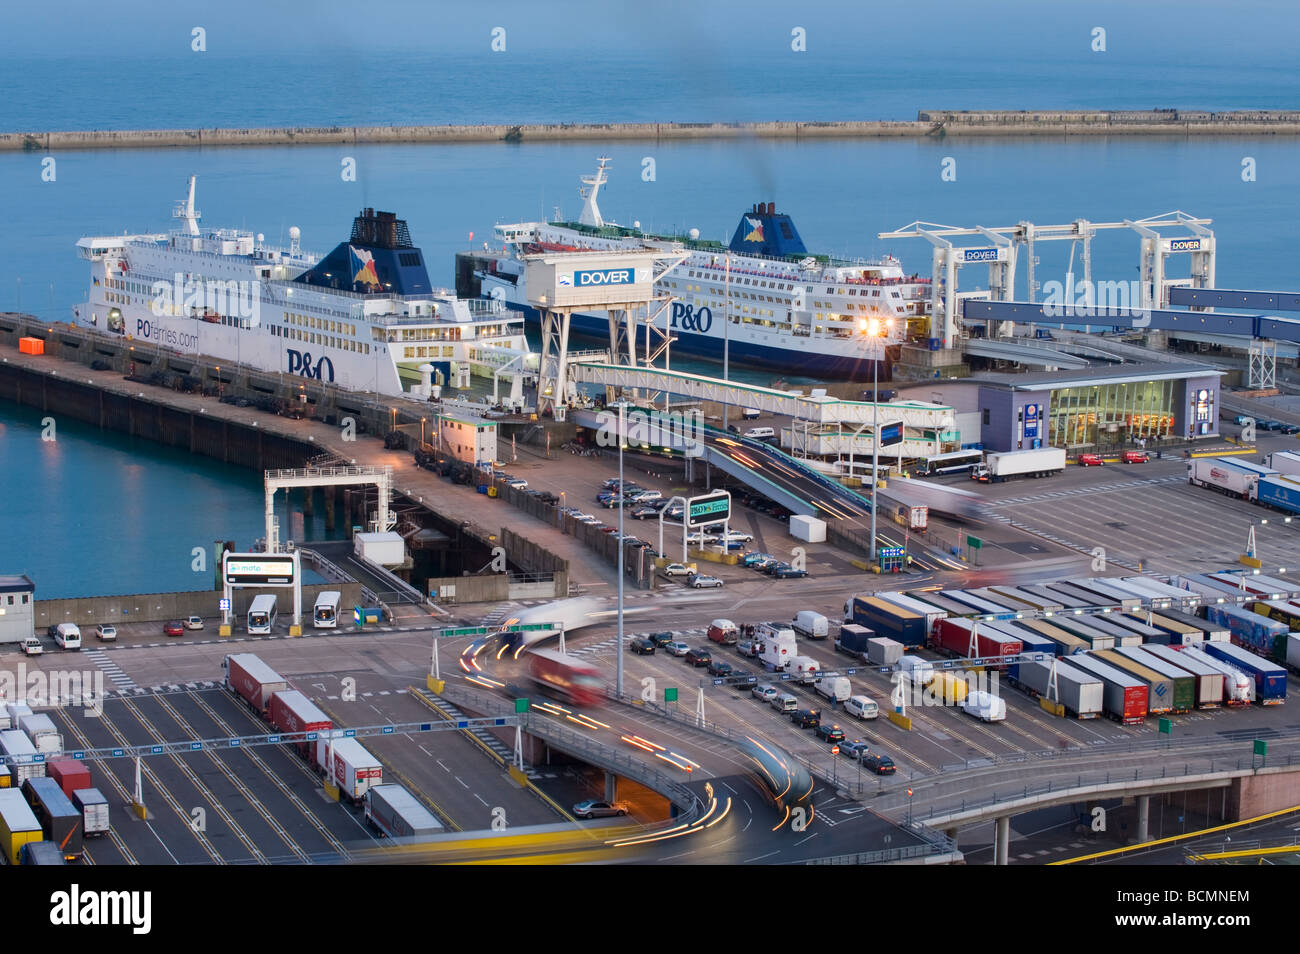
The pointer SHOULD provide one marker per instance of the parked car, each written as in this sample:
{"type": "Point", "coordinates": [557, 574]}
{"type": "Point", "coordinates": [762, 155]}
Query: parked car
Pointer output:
{"type": "Point", "coordinates": [699, 656]}
{"type": "Point", "coordinates": [880, 764]}
{"type": "Point", "coordinates": [679, 569]}
{"type": "Point", "coordinates": [789, 573]}
{"type": "Point", "coordinates": [783, 702]}
{"type": "Point", "coordinates": [1290, 428]}
{"type": "Point", "coordinates": [194, 622]}
{"type": "Point", "coordinates": [699, 581]}
{"type": "Point", "coordinates": [643, 513]}
{"type": "Point", "coordinates": [831, 733]}
{"type": "Point", "coordinates": [764, 692]}
{"type": "Point", "coordinates": [742, 679]}
{"type": "Point", "coordinates": [642, 647]}
{"type": "Point", "coordinates": [857, 749]}
{"type": "Point", "coordinates": [174, 628]}
{"type": "Point", "coordinates": [806, 718]}
{"type": "Point", "coordinates": [770, 569]}
{"type": "Point", "coordinates": [1242, 418]}
{"type": "Point", "coordinates": [747, 647]}
{"type": "Point", "coordinates": [518, 483]}
{"type": "Point", "coordinates": [32, 646]}
{"type": "Point", "coordinates": [661, 639]}
{"type": "Point", "coordinates": [106, 632]}
{"type": "Point", "coordinates": [1091, 460]}
{"type": "Point", "coordinates": [676, 648]}
{"type": "Point", "coordinates": [594, 809]}
{"type": "Point", "coordinates": [719, 667]}
{"type": "Point", "coordinates": [1135, 457]}
{"type": "Point", "coordinates": [750, 559]}
{"type": "Point", "coordinates": [1271, 425]}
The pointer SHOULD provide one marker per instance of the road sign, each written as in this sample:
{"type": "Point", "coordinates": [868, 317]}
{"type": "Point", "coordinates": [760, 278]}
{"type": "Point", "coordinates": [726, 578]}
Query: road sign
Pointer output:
{"type": "Point", "coordinates": [223, 605]}
{"type": "Point", "coordinates": [974, 543]}
{"type": "Point", "coordinates": [835, 750]}
{"type": "Point", "coordinates": [521, 706]}
{"type": "Point", "coordinates": [1261, 747]}
{"type": "Point", "coordinates": [711, 508]}
{"type": "Point", "coordinates": [1166, 727]}
{"type": "Point", "coordinates": [257, 569]}
{"type": "Point", "coordinates": [891, 434]}
{"type": "Point", "coordinates": [670, 694]}
{"type": "Point", "coordinates": [891, 553]}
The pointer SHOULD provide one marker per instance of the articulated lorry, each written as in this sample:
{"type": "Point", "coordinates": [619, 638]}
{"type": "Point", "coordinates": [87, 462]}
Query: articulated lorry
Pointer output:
{"type": "Point", "coordinates": [1007, 465]}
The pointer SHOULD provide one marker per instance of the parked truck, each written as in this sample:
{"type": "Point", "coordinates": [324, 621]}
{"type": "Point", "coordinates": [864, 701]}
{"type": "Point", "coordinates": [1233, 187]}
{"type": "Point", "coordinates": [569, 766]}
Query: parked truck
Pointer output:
{"type": "Point", "coordinates": [291, 711]}
{"type": "Point", "coordinates": [1007, 465]}
{"type": "Point", "coordinates": [1078, 691]}
{"type": "Point", "coordinates": [1124, 698]}
{"type": "Point", "coordinates": [854, 641]}
{"type": "Point", "coordinates": [44, 734]}
{"type": "Point", "coordinates": [1251, 630]}
{"type": "Point", "coordinates": [984, 705]}
{"type": "Point", "coordinates": [1270, 678]}
{"type": "Point", "coordinates": [396, 813]}
{"type": "Point", "coordinates": [887, 619]}
{"type": "Point", "coordinates": [810, 625]}
{"type": "Point", "coordinates": [15, 744]}
{"type": "Point", "coordinates": [1208, 681]}
{"type": "Point", "coordinates": [253, 680]}
{"type": "Point", "coordinates": [1160, 688]}
{"type": "Point", "coordinates": [71, 774]}
{"type": "Point", "coordinates": [18, 824]}
{"type": "Point", "coordinates": [883, 651]}
{"type": "Point", "coordinates": [1225, 475]}
{"type": "Point", "coordinates": [957, 637]}
{"type": "Point", "coordinates": [353, 769]}
{"type": "Point", "coordinates": [915, 518]}
{"type": "Point", "coordinates": [1238, 688]}
{"type": "Point", "coordinates": [1184, 696]}
{"type": "Point", "coordinates": [931, 612]}
{"type": "Point", "coordinates": [60, 820]}
{"type": "Point", "coordinates": [94, 811]}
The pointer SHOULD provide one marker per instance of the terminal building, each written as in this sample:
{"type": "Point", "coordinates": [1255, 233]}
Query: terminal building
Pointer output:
{"type": "Point", "coordinates": [17, 608]}
{"type": "Point", "coordinates": [466, 437]}
{"type": "Point", "coordinates": [1092, 407]}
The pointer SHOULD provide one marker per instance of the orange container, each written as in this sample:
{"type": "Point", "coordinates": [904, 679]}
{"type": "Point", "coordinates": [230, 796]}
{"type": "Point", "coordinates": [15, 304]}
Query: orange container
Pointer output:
{"type": "Point", "coordinates": [31, 345]}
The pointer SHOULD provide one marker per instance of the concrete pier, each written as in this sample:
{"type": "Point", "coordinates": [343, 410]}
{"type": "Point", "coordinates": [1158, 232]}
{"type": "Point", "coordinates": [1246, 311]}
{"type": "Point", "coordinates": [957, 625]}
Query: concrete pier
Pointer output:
{"type": "Point", "coordinates": [1156, 122]}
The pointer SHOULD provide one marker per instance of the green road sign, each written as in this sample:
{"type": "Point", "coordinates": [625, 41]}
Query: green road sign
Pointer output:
{"type": "Point", "coordinates": [521, 706]}
{"type": "Point", "coordinates": [1261, 747]}
{"type": "Point", "coordinates": [465, 631]}
{"type": "Point", "coordinates": [974, 543]}
{"type": "Point", "coordinates": [1166, 727]}
{"type": "Point", "coordinates": [670, 694]}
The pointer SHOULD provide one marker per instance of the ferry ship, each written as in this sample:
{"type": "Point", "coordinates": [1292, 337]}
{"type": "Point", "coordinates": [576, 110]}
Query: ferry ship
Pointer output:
{"type": "Point", "coordinates": [364, 317]}
{"type": "Point", "coordinates": [786, 309]}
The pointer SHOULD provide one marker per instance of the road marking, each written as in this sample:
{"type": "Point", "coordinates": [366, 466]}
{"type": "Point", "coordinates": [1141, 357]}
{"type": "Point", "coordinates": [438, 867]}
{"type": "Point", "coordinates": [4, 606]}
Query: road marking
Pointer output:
{"type": "Point", "coordinates": [458, 778]}
{"type": "Point", "coordinates": [761, 857]}
{"type": "Point", "coordinates": [439, 761]}
{"type": "Point", "coordinates": [480, 798]}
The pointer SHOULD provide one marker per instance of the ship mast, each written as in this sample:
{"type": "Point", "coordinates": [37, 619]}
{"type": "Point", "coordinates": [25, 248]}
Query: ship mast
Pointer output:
{"type": "Point", "coordinates": [185, 210]}
{"type": "Point", "coordinates": [590, 210]}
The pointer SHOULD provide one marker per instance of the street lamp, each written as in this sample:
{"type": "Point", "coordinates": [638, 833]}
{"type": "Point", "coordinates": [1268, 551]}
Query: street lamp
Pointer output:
{"type": "Point", "coordinates": [622, 491]}
{"type": "Point", "coordinates": [873, 328]}
{"type": "Point", "coordinates": [422, 420]}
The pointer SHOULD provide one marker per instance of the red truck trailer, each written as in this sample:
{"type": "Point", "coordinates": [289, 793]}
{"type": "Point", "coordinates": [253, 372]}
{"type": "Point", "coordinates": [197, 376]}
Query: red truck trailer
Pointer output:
{"type": "Point", "coordinates": [954, 636]}
{"type": "Point", "coordinates": [567, 676]}
{"type": "Point", "coordinates": [291, 711]}
{"type": "Point", "coordinates": [253, 680]}
{"type": "Point", "coordinates": [71, 775]}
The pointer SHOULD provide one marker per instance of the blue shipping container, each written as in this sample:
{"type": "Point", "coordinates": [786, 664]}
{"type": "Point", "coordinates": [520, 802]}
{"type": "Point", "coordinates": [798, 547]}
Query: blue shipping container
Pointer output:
{"type": "Point", "coordinates": [1270, 678]}
{"type": "Point", "coordinates": [1279, 492]}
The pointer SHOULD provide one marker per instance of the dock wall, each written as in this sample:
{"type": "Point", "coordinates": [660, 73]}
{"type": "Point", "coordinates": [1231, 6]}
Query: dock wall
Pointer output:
{"type": "Point", "coordinates": [1154, 122]}
{"type": "Point", "coordinates": [86, 611]}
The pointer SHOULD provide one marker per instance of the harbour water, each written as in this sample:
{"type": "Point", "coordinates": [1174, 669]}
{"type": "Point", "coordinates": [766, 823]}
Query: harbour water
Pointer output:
{"type": "Point", "coordinates": [109, 506]}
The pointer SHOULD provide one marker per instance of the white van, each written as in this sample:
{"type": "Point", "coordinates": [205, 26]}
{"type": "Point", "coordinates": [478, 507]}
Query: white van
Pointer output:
{"type": "Point", "coordinates": [810, 624]}
{"type": "Point", "coordinates": [834, 688]}
{"type": "Point", "coordinates": [760, 433]}
{"type": "Point", "coordinates": [784, 702]}
{"type": "Point", "coordinates": [803, 669]}
{"type": "Point", "coordinates": [67, 636]}
{"type": "Point", "coordinates": [864, 707]}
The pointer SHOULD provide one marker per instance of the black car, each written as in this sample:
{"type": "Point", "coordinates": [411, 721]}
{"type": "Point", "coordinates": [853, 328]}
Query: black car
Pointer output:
{"type": "Point", "coordinates": [771, 568]}
{"type": "Point", "coordinates": [699, 657]}
{"type": "Point", "coordinates": [789, 573]}
{"type": "Point", "coordinates": [661, 639]}
{"type": "Point", "coordinates": [831, 733]}
{"type": "Point", "coordinates": [1290, 428]}
{"type": "Point", "coordinates": [880, 764]}
{"type": "Point", "coordinates": [643, 513]}
{"type": "Point", "coordinates": [719, 667]}
{"type": "Point", "coordinates": [806, 718]}
{"type": "Point", "coordinates": [642, 646]}
{"type": "Point", "coordinates": [52, 631]}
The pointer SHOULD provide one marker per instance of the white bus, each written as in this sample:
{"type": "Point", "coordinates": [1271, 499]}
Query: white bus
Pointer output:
{"type": "Point", "coordinates": [861, 469]}
{"type": "Point", "coordinates": [325, 614]}
{"type": "Point", "coordinates": [953, 462]}
{"type": "Point", "coordinates": [261, 615]}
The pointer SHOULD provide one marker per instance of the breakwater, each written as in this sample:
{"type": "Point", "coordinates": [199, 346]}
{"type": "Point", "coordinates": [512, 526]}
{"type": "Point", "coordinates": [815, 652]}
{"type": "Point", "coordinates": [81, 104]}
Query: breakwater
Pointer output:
{"type": "Point", "coordinates": [929, 123]}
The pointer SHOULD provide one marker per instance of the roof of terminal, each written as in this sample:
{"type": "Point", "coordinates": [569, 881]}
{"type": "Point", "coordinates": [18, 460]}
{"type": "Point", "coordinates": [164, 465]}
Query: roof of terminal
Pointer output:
{"type": "Point", "coordinates": [1119, 374]}
{"type": "Point", "coordinates": [16, 584]}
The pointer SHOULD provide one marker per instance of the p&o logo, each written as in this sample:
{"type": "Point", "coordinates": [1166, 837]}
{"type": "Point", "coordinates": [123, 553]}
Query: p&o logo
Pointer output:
{"type": "Point", "coordinates": [300, 362]}
{"type": "Point", "coordinates": [688, 319]}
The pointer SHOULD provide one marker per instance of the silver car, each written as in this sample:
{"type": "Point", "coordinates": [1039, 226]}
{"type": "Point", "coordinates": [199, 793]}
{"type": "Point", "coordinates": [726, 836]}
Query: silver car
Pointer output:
{"type": "Point", "coordinates": [594, 809]}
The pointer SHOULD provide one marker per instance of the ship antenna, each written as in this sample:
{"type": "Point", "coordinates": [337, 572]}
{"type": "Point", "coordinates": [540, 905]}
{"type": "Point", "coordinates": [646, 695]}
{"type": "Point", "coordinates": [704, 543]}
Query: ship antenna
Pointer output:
{"type": "Point", "coordinates": [590, 210]}
{"type": "Point", "coordinates": [185, 210]}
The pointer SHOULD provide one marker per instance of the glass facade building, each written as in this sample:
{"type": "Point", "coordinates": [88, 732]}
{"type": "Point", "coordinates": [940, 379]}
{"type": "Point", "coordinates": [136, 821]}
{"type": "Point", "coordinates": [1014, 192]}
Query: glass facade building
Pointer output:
{"type": "Point", "coordinates": [1112, 413]}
